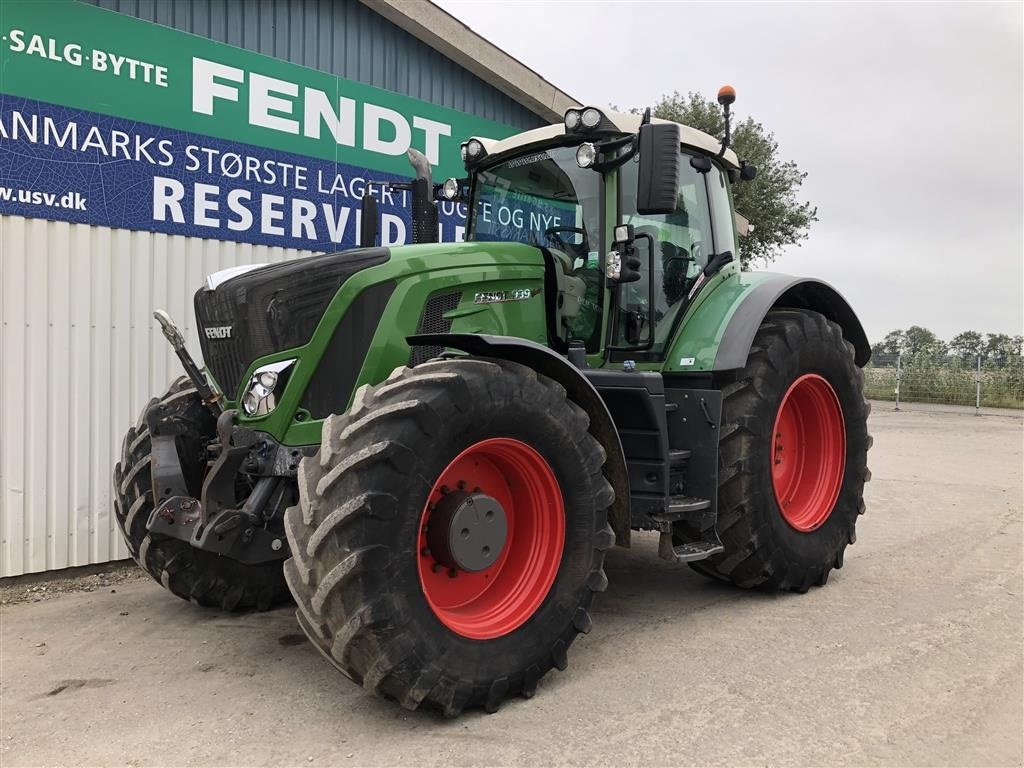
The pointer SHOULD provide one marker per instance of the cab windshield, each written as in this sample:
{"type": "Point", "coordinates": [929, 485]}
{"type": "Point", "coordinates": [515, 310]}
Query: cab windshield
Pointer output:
{"type": "Point", "coordinates": [541, 198]}
{"type": "Point", "coordinates": [544, 198]}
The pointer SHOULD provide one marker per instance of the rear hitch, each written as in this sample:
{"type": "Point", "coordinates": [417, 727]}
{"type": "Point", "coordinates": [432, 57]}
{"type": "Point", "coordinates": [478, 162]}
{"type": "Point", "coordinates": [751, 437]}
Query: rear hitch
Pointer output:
{"type": "Point", "coordinates": [210, 398]}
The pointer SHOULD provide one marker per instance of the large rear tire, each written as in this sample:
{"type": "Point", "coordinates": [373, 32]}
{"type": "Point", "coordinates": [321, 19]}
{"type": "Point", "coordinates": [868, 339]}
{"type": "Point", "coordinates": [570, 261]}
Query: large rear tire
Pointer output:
{"type": "Point", "coordinates": [201, 577]}
{"type": "Point", "coordinates": [792, 457]}
{"type": "Point", "coordinates": [385, 596]}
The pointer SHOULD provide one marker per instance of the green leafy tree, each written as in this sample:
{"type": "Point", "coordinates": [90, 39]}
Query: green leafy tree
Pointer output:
{"type": "Point", "coordinates": [770, 201]}
{"type": "Point", "coordinates": [922, 343]}
{"type": "Point", "coordinates": [1001, 349]}
{"type": "Point", "coordinates": [967, 346]}
{"type": "Point", "coordinates": [892, 344]}
{"type": "Point", "coordinates": [913, 343]}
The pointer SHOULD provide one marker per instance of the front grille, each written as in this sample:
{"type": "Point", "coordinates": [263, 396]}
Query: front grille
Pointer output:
{"type": "Point", "coordinates": [271, 309]}
{"type": "Point", "coordinates": [433, 320]}
{"type": "Point", "coordinates": [331, 386]}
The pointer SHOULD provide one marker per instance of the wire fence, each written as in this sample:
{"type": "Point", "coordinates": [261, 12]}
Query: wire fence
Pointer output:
{"type": "Point", "coordinates": [974, 382]}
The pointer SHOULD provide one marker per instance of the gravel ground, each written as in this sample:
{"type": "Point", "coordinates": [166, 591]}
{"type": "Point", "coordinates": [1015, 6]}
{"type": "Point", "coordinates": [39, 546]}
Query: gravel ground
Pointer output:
{"type": "Point", "coordinates": [38, 587]}
{"type": "Point", "coordinates": [912, 655]}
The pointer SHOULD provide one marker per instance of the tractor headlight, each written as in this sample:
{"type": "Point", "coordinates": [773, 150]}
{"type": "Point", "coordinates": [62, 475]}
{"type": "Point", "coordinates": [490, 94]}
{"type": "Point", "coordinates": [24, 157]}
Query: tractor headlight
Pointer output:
{"type": "Point", "coordinates": [269, 380]}
{"type": "Point", "coordinates": [473, 152]}
{"type": "Point", "coordinates": [259, 398]}
{"type": "Point", "coordinates": [613, 265]}
{"type": "Point", "coordinates": [463, 152]}
{"type": "Point", "coordinates": [591, 118]}
{"type": "Point", "coordinates": [251, 403]}
{"type": "Point", "coordinates": [572, 119]}
{"type": "Point", "coordinates": [450, 189]}
{"type": "Point", "coordinates": [586, 155]}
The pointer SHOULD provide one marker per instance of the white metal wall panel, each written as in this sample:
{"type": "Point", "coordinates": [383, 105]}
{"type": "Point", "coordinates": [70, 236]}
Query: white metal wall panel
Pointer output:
{"type": "Point", "coordinates": [80, 355]}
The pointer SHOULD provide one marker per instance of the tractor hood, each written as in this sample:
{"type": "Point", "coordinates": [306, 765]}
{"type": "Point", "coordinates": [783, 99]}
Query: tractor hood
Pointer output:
{"type": "Point", "coordinates": [245, 313]}
{"type": "Point", "coordinates": [429, 257]}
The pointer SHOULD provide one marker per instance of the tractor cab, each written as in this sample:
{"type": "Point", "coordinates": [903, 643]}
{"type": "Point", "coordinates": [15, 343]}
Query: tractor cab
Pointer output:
{"type": "Point", "coordinates": [633, 215]}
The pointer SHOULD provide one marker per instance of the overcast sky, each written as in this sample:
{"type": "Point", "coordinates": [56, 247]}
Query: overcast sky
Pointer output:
{"type": "Point", "coordinates": [908, 119]}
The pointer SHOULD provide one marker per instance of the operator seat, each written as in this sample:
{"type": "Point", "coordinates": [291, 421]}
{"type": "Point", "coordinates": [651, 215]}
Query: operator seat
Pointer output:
{"type": "Point", "coordinates": [671, 268]}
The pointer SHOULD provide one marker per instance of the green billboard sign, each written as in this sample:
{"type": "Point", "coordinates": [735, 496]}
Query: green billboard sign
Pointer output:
{"type": "Point", "coordinates": [68, 53]}
{"type": "Point", "coordinates": [109, 120]}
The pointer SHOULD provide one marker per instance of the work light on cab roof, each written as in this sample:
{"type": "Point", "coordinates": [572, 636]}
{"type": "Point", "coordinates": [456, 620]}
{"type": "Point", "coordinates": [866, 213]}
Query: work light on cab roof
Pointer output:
{"type": "Point", "coordinates": [585, 120]}
{"type": "Point", "coordinates": [473, 152]}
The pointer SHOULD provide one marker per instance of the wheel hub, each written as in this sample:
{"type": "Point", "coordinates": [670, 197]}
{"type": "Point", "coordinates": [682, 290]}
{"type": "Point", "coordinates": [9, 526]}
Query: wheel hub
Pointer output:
{"type": "Point", "coordinates": [485, 576]}
{"type": "Point", "coordinates": [467, 531]}
{"type": "Point", "coordinates": [808, 452]}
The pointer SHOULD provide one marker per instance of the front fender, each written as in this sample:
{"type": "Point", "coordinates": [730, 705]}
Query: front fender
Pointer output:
{"type": "Point", "coordinates": [577, 387]}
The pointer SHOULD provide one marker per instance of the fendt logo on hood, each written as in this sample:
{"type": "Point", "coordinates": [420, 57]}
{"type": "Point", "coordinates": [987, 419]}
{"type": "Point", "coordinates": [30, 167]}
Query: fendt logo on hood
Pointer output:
{"type": "Point", "coordinates": [218, 332]}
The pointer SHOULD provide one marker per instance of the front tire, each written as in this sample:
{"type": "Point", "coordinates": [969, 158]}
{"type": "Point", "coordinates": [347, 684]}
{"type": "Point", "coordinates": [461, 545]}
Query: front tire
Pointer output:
{"type": "Point", "coordinates": [203, 578]}
{"type": "Point", "coordinates": [792, 457]}
{"type": "Point", "coordinates": [374, 594]}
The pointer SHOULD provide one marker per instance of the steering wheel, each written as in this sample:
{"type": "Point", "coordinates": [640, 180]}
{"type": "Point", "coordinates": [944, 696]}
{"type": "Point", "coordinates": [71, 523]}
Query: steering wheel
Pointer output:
{"type": "Point", "coordinates": [554, 235]}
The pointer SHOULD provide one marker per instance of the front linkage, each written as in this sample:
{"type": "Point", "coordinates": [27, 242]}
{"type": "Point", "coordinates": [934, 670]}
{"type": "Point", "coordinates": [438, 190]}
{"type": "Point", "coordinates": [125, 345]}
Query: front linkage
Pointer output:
{"type": "Point", "coordinates": [220, 520]}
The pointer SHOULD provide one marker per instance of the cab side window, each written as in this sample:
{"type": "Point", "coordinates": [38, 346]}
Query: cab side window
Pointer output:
{"type": "Point", "coordinates": [722, 213]}
{"type": "Point", "coordinates": [683, 242]}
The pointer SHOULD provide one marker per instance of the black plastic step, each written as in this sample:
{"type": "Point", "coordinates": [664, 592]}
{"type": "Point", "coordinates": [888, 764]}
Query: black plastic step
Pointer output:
{"type": "Point", "coordinates": [678, 457]}
{"type": "Point", "coordinates": [688, 508]}
{"type": "Point", "coordinates": [696, 550]}
{"type": "Point", "coordinates": [681, 507]}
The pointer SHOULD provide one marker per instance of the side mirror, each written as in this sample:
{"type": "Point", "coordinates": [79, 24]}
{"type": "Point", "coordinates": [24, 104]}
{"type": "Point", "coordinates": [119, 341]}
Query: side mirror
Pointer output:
{"type": "Point", "coordinates": [658, 175]}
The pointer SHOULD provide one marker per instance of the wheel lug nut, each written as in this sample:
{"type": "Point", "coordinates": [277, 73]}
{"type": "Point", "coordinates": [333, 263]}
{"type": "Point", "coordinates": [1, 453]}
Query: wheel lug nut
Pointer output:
{"type": "Point", "coordinates": [462, 485]}
{"type": "Point", "coordinates": [425, 551]}
{"type": "Point", "coordinates": [452, 573]}
{"type": "Point", "coordinates": [436, 567]}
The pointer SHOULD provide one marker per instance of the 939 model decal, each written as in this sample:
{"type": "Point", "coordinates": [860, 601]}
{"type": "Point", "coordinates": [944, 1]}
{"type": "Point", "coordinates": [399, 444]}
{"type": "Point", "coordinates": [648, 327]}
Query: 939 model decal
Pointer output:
{"type": "Point", "coordinates": [495, 297]}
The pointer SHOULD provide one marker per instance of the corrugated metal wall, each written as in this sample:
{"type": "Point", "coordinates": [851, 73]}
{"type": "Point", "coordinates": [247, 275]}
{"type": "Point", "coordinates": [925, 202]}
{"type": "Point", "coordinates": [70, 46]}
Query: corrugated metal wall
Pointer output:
{"type": "Point", "coordinates": [342, 37]}
{"type": "Point", "coordinates": [80, 355]}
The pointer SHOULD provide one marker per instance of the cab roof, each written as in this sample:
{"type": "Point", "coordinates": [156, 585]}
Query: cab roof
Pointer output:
{"type": "Point", "coordinates": [626, 123]}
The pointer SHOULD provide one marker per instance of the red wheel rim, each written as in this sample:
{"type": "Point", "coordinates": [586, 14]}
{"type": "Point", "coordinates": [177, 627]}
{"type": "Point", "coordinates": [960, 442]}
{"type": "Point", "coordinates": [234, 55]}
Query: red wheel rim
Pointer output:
{"type": "Point", "coordinates": [808, 452]}
{"type": "Point", "coordinates": [493, 602]}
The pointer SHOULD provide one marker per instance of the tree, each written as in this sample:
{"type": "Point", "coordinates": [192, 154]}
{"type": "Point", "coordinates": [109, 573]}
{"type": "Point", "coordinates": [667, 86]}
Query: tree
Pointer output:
{"type": "Point", "coordinates": [967, 346]}
{"type": "Point", "coordinates": [923, 343]}
{"type": "Point", "coordinates": [915, 342]}
{"type": "Point", "coordinates": [892, 344]}
{"type": "Point", "coordinates": [769, 201]}
{"type": "Point", "coordinates": [1000, 349]}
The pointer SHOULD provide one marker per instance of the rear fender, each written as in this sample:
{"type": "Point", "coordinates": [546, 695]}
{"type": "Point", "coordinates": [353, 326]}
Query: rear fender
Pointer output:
{"type": "Point", "coordinates": [577, 387]}
{"type": "Point", "coordinates": [785, 292]}
{"type": "Point", "coordinates": [718, 330]}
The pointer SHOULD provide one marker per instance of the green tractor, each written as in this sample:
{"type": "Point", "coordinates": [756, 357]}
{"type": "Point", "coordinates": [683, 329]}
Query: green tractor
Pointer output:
{"type": "Point", "coordinates": [431, 447]}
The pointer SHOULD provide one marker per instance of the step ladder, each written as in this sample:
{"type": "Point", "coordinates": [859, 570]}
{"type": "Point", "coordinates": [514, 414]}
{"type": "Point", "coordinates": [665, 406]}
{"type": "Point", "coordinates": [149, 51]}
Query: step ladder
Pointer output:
{"type": "Point", "coordinates": [690, 509]}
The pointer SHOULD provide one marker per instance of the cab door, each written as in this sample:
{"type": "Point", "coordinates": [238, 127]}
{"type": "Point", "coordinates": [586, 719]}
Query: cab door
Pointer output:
{"type": "Point", "coordinates": [677, 246]}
